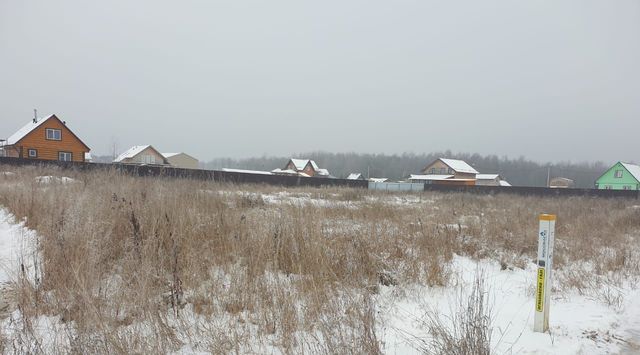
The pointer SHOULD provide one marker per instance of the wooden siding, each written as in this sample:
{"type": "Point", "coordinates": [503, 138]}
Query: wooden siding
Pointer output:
{"type": "Point", "coordinates": [444, 169]}
{"type": "Point", "coordinates": [438, 168]}
{"type": "Point", "coordinates": [48, 149]}
{"type": "Point", "coordinates": [308, 169]}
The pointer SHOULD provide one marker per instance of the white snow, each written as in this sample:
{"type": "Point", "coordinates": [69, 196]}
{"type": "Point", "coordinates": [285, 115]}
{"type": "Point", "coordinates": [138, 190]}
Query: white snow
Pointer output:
{"type": "Point", "coordinates": [247, 171]}
{"type": "Point", "coordinates": [322, 172]}
{"type": "Point", "coordinates": [15, 243]}
{"type": "Point", "coordinates": [433, 177]}
{"type": "Point", "coordinates": [131, 152]}
{"type": "Point", "coordinates": [373, 179]}
{"type": "Point", "coordinates": [504, 183]}
{"type": "Point", "coordinates": [633, 169]}
{"type": "Point", "coordinates": [354, 176]}
{"type": "Point", "coordinates": [459, 166]}
{"type": "Point", "coordinates": [26, 129]}
{"type": "Point", "coordinates": [486, 176]}
{"type": "Point", "coordinates": [300, 163]}
{"type": "Point", "coordinates": [578, 324]}
{"type": "Point", "coordinates": [48, 179]}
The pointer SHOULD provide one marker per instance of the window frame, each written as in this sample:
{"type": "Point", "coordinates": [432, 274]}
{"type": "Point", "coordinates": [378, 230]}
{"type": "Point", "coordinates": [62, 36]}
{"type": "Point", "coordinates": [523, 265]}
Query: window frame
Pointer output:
{"type": "Point", "coordinates": [60, 154]}
{"type": "Point", "coordinates": [53, 135]}
{"type": "Point", "coordinates": [35, 153]}
{"type": "Point", "coordinates": [616, 175]}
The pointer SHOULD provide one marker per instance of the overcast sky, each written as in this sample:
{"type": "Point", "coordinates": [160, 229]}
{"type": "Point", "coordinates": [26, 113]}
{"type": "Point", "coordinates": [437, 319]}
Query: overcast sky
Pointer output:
{"type": "Point", "coordinates": [550, 80]}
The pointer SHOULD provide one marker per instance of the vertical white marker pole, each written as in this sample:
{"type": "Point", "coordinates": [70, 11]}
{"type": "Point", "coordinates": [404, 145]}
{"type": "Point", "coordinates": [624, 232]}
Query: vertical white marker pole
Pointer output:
{"type": "Point", "coordinates": [546, 235]}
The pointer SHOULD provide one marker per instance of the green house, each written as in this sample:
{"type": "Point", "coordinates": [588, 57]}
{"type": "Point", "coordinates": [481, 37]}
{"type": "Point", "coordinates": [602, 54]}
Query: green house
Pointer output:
{"type": "Point", "coordinates": [621, 176]}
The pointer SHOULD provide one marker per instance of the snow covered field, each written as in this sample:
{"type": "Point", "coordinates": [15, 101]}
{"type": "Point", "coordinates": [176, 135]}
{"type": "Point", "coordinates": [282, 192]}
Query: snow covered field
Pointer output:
{"type": "Point", "coordinates": [595, 306]}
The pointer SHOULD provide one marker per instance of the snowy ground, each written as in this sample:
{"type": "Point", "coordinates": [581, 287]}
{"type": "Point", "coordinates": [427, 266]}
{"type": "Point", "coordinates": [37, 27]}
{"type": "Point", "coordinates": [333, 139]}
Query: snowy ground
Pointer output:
{"type": "Point", "coordinates": [579, 325]}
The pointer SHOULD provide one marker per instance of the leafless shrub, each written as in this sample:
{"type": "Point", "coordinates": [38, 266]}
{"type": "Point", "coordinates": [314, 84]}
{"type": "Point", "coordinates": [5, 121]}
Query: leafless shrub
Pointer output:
{"type": "Point", "coordinates": [466, 331]}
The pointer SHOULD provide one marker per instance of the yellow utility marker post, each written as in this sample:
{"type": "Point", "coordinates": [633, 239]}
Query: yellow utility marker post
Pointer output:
{"type": "Point", "coordinates": [546, 235]}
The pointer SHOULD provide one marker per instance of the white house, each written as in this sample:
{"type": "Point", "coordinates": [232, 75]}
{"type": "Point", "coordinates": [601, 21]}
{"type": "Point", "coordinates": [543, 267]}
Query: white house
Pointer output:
{"type": "Point", "coordinates": [141, 154]}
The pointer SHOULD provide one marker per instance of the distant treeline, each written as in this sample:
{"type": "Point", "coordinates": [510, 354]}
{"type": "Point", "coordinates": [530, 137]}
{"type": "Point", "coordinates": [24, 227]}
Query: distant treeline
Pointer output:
{"type": "Point", "coordinates": [519, 172]}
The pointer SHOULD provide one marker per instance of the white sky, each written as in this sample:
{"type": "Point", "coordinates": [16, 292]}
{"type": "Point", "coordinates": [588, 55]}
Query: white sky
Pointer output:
{"type": "Point", "coordinates": [550, 80]}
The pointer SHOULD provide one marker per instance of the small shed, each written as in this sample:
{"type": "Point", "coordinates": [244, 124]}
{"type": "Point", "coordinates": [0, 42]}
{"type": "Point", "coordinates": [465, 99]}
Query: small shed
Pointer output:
{"type": "Point", "coordinates": [561, 183]}
{"type": "Point", "coordinates": [355, 176]}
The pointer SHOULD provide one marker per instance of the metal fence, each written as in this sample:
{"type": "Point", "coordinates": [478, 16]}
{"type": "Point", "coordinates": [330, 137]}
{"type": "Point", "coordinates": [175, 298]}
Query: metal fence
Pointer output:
{"type": "Point", "coordinates": [396, 186]}
{"type": "Point", "coordinates": [241, 178]}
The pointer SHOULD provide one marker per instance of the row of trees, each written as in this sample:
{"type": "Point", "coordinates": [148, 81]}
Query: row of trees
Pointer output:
{"type": "Point", "coordinates": [519, 172]}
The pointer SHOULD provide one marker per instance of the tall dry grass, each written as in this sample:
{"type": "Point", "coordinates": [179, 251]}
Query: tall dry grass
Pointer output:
{"type": "Point", "coordinates": [145, 264]}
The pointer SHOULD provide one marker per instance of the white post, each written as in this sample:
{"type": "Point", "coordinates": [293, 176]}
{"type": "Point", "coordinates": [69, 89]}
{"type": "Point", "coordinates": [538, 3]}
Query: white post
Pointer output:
{"type": "Point", "coordinates": [546, 235]}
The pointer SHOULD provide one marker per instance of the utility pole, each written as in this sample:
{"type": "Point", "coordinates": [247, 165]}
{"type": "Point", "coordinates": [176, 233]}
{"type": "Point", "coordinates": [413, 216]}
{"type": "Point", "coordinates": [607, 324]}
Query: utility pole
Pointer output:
{"type": "Point", "coordinates": [548, 174]}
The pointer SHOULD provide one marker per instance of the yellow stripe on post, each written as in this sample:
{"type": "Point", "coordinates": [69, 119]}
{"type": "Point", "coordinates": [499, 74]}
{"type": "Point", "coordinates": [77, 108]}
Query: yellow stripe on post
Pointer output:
{"type": "Point", "coordinates": [547, 217]}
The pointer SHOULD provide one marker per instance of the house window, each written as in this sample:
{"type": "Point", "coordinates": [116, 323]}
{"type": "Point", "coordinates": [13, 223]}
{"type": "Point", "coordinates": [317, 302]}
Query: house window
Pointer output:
{"type": "Point", "coordinates": [433, 170]}
{"type": "Point", "coordinates": [33, 153]}
{"type": "Point", "coordinates": [443, 171]}
{"type": "Point", "coordinates": [607, 187]}
{"type": "Point", "coordinates": [149, 159]}
{"type": "Point", "coordinates": [618, 174]}
{"type": "Point", "coordinates": [65, 156]}
{"type": "Point", "coordinates": [625, 187]}
{"type": "Point", "coordinates": [54, 134]}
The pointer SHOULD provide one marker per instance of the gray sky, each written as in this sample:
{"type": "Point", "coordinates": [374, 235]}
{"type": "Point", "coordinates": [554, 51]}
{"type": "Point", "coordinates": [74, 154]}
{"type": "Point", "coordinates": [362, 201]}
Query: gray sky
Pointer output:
{"type": "Point", "coordinates": [550, 80]}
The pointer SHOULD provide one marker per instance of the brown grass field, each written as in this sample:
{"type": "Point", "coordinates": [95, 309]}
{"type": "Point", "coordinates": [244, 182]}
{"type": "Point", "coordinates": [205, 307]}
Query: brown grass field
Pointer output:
{"type": "Point", "coordinates": [143, 265]}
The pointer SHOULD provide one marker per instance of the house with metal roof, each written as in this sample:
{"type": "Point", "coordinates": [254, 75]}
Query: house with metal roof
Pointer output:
{"type": "Point", "coordinates": [302, 167]}
{"type": "Point", "coordinates": [621, 176]}
{"type": "Point", "coordinates": [458, 168]}
{"type": "Point", "coordinates": [47, 138]}
{"type": "Point", "coordinates": [142, 155]}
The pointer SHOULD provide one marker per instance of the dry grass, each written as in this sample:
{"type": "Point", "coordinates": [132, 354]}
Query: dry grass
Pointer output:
{"type": "Point", "coordinates": [145, 264]}
{"type": "Point", "coordinates": [467, 331]}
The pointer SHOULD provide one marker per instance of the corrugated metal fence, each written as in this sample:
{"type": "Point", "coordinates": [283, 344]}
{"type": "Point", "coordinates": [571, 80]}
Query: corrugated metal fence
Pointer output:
{"type": "Point", "coordinates": [396, 186]}
{"type": "Point", "coordinates": [240, 178]}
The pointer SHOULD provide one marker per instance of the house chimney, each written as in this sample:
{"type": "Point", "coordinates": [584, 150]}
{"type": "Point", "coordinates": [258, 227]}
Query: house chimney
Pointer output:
{"type": "Point", "coordinates": [35, 116]}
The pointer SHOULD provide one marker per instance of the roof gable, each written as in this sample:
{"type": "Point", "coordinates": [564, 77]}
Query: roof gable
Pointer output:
{"type": "Point", "coordinates": [135, 150]}
{"type": "Point", "coordinates": [31, 126]}
{"type": "Point", "coordinates": [301, 164]}
{"type": "Point", "coordinates": [171, 155]}
{"type": "Point", "coordinates": [632, 169]}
